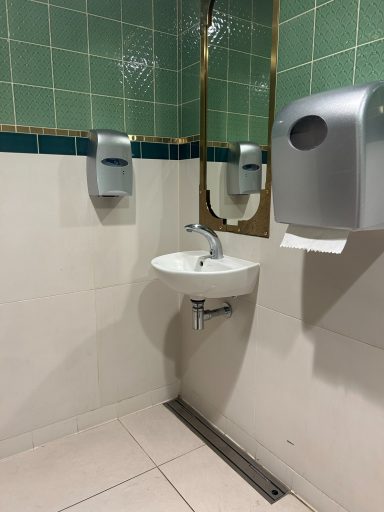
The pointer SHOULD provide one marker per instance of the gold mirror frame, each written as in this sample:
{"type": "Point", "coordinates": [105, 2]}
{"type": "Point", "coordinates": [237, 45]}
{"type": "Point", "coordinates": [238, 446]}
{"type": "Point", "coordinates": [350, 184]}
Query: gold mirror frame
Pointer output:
{"type": "Point", "coordinates": [258, 225]}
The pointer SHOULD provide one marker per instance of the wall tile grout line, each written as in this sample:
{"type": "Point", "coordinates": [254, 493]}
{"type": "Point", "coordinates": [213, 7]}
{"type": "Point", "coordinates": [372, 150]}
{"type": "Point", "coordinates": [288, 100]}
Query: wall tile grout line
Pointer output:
{"type": "Point", "coordinates": [122, 66]}
{"type": "Point", "coordinates": [89, 65]}
{"type": "Point", "coordinates": [357, 40]}
{"type": "Point", "coordinates": [10, 62]}
{"type": "Point", "coordinates": [52, 68]}
{"type": "Point", "coordinates": [313, 47]}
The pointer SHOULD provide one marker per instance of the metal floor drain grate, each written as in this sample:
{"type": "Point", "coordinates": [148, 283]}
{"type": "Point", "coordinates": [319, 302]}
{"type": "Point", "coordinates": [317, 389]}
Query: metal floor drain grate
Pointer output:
{"type": "Point", "coordinates": [258, 477]}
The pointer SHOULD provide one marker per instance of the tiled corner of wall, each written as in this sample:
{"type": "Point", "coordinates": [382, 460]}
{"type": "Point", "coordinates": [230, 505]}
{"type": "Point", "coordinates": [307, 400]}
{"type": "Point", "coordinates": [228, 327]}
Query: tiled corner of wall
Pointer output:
{"type": "Point", "coordinates": [328, 44]}
{"type": "Point", "coordinates": [240, 42]}
{"type": "Point", "coordinates": [77, 64]}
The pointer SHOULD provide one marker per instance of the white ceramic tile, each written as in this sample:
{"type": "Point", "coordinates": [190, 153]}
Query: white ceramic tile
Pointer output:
{"type": "Point", "coordinates": [138, 339]}
{"type": "Point", "coordinates": [15, 445]}
{"type": "Point", "coordinates": [241, 437]}
{"type": "Point", "coordinates": [55, 431]}
{"type": "Point", "coordinates": [218, 362]}
{"type": "Point", "coordinates": [289, 503]}
{"type": "Point", "coordinates": [342, 293]}
{"type": "Point", "coordinates": [324, 397]}
{"type": "Point", "coordinates": [132, 231]}
{"type": "Point", "coordinates": [48, 367]}
{"type": "Point", "coordinates": [210, 485]}
{"type": "Point", "coordinates": [67, 471]}
{"type": "Point", "coordinates": [134, 404]}
{"type": "Point", "coordinates": [165, 393]}
{"type": "Point", "coordinates": [45, 232]}
{"type": "Point", "coordinates": [160, 433]}
{"type": "Point", "coordinates": [146, 493]}
{"type": "Point", "coordinates": [96, 417]}
{"type": "Point", "coordinates": [189, 204]}
{"type": "Point", "coordinates": [274, 465]}
{"type": "Point", "coordinates": [313, 496]}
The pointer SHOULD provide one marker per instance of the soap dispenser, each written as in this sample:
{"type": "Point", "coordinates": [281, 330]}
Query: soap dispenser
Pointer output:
{"type": "Point", "coordinates": [109, 164]}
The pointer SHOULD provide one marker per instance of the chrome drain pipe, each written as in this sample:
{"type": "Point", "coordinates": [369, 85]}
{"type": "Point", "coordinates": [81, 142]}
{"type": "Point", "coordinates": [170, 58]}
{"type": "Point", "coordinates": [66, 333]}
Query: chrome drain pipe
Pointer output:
{"type": "Point", "coordinates": [201, 315]}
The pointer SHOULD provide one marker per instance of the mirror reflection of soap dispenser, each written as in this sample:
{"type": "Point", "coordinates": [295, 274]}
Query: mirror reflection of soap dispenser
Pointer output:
{"type": "Point", "coordinates": [109, 164]}
{"type": "Point", "coordinates": [244, 168]}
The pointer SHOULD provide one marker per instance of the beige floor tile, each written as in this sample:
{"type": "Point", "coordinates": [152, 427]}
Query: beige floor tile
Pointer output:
{"type": "Point", "coordinates": [146, 493]}
{"type": "Point", "coordinates": [67, 471]}
{"type": "Point", "coordinates": [289, 504]}
{"type": "Point", "coordinates": [161, 434]}
{"type": "Point", "coordinates": [208, 484]}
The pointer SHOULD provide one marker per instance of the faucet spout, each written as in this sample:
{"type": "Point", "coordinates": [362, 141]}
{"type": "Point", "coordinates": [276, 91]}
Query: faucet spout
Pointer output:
{"type": "Point", "coordinates": [215, 247]}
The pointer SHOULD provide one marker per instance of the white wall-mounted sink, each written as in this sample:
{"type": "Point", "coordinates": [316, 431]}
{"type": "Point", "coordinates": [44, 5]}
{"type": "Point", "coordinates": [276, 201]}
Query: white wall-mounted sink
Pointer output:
{"type": "Point", "coordinates": [213, 279]}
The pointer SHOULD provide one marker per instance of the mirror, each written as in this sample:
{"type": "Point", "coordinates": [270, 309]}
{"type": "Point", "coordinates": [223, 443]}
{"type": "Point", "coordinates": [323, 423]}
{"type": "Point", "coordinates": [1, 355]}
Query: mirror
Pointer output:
{"type": "Point", "coordinates": [237, 102]}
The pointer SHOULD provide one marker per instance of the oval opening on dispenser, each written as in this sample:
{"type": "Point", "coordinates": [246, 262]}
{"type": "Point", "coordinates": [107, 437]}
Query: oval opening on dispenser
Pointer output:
{"type": "Point", "coordinates": [251, 167]}
{"type": "Point", "coordinates": [308, 133]}
{"type": "Point", "coordinates": [114, 162]}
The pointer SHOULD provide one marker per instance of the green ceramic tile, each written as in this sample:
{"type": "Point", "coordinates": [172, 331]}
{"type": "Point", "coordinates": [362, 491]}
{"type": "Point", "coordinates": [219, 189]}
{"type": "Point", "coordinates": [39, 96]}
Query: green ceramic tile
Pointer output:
{"type": "Point", "coordinates": [221, 6]}
{"type": "Point", "coordinates": [31, 64]}
{"type": "Point", "coordinates": [138, 82]}
{"type": "Point", "coordinates": [6, 104]}
{"type": "Point", "coordinates": [260, 71]}
{"type": "Point", "coordinates": [259, 102]}
{"type": "Point", "coordinates": [34, 106]}
{"type": "Point", "coordinates": [138, 12]}
{"type": "Point", "coordinates": [104, 37]}
{"type": "Point", "coordinates": [239, 69]}
{"type": "Point", "coordinates": [333, 72]}
{"type": "Point", "coordinates": [370, 62]}
{"type": "Point", "coordinates": [258, 130]}
{"type": "Point", "coordinates": [240, 8]}
{"type": "Point", "coordinates": [292, 85]}
{"type": "Point", "coordinates": [217, 125]}
{"type": "Point", "coordinates": [336, 24]}
{"type": "Point", "coordinates": [138, 45]}
{"type": "Point", "coordinates": [165, 15]}
{"type": "Point", "coordinates": [191, 83]}
{"type": "Point", "coordinates": [108, 113]}
{"type": "Point", "coordinates": [166, 120]}
{"type": "Point", "coordinates": [190, 13]}
{"type": "Point", "coordinates": [190, 44]}
{"type": "Point", "coordinates": [190, 118]}
{"type": "Point", "coordinates": [217, 94]}
{"type": "Point", "coordinates": [28, 21]}
{"type": "Point", "coordinates": [106, 76]}
{"type": "Point", "coordinates": [139, 117]}
{"type": "Point", "coordinates": [5, 70]}
{"type": "Point", "coordinates": [165, 86]}
{"type": "Point", "coordinates": [237, 127]}
{"type": "Point", "coordinates": [219, 31]}
{"type": "Point", "coordinates": [295, 41]}
{"type": "Point", "coordinates": [371, 21]}
{"type": "Point", "coordinates": [238, 98]}
{"type": "Point", "coordinates": [218, 60]}
{"type": "Point", "coordinates": [239, 35]}
{"type": "Point", "coordinates": [70, 70]}
{"type": "Point", "coordinates": [3, 20]}
{"type": "Point", "coordinates": [262, 12]}
{"type": "Point", "coordinates": [110, 9]}
{"type": "Point", "coordinates": [69, 29]}
{"type": "Point", "coordinates": [291, 8]}
{"type": "Point", "coordinates": [261, 40]}
{"type": "Point", "coordinates": [73, 110]}
{"type": "Point", "coordinates": [78, 5]}
{"type": "Point", "coordinates": [165, 50]}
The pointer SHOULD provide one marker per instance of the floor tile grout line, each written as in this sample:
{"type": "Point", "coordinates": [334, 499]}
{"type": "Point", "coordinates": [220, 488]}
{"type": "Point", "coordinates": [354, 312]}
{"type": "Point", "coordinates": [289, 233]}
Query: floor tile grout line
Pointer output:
{"type": "Point", "coordinates": [176, 489]}
{"type": "Point", "coordinates": [105, 490]}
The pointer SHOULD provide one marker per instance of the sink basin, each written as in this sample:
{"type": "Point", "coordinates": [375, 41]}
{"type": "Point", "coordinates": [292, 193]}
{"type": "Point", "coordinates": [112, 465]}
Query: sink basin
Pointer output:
{"type": "Point", "coordinates": [214, 279]}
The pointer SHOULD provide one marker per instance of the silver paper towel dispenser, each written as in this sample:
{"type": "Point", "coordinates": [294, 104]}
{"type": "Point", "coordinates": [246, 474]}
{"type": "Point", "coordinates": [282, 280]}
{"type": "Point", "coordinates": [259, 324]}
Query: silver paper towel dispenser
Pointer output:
{"type": "Point", "coordinates": [244, 171]}
{"type": "Point", "coordinates": [328, 159]}
{"type": "Point", "coordinates": [109, 164]}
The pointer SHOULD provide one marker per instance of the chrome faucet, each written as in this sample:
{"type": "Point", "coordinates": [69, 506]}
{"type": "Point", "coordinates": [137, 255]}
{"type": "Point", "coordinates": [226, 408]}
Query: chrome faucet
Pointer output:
{"type": "Point", "coordinates": [215, 248]}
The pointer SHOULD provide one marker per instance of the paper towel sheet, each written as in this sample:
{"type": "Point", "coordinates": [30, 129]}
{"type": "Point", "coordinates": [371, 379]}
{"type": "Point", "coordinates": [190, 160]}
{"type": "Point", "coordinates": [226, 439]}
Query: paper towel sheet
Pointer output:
{"type": "Point", "coordinates": [315, 239]}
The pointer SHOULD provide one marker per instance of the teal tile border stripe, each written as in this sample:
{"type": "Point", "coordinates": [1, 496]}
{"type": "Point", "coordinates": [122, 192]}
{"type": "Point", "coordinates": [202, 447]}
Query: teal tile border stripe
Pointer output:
{"type": "Point", "coordinates": [78, 146]}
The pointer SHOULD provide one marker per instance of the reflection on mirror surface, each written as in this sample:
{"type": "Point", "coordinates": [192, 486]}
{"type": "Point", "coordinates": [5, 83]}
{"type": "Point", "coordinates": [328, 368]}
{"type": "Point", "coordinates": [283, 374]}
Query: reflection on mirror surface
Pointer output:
{"type": "Point", "coordinates": [240, 41]}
